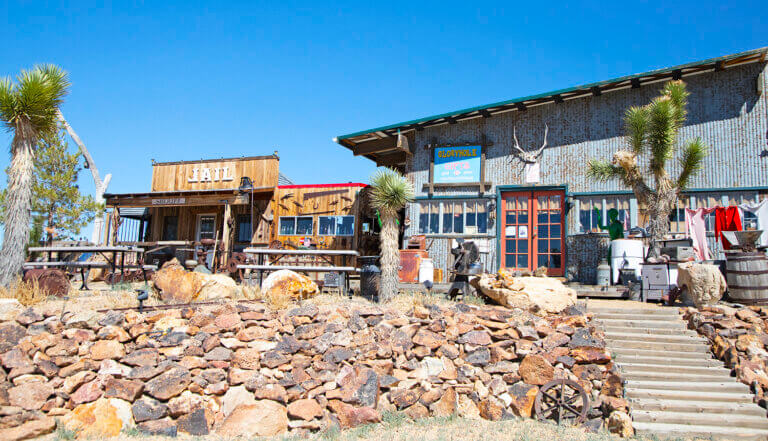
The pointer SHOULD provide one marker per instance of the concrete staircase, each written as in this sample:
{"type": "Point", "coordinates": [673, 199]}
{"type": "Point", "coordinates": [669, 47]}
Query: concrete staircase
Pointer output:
{"type": "Point", "coordinates": [674, 386]}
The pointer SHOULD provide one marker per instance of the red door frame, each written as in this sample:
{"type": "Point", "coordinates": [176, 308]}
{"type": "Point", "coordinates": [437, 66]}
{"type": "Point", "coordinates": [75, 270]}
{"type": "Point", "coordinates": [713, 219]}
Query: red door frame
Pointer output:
{"type": "Point", "coordinates": [532, 224]}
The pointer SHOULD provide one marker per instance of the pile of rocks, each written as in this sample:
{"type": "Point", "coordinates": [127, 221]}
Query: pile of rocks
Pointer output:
{"type": "Point", "coordinates": [243, 369]}
{"type": "Point", "coordinates": [738, 337]}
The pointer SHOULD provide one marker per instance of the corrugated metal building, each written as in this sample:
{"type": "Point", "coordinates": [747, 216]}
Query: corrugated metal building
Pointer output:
{"type": "Point", "coordinates": [470, 183]}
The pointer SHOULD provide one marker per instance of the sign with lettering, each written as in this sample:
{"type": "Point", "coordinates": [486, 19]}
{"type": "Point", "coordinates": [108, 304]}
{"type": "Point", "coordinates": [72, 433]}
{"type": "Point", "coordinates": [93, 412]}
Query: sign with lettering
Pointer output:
{"type": "Point", "coordinates": [211, 174]}
{"type": "Point", "coordinates": [169, 201]}
{"type": "Point", "coordinates": [457, 164]}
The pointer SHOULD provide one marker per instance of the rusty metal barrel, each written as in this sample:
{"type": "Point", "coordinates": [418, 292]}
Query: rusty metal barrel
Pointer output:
{"type": "Point", "coordinates": [747, 275]}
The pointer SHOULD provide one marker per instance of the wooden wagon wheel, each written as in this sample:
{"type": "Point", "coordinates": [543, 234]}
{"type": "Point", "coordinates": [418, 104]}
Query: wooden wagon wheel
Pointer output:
{"type": "Point", "coordinates": [563, 400]}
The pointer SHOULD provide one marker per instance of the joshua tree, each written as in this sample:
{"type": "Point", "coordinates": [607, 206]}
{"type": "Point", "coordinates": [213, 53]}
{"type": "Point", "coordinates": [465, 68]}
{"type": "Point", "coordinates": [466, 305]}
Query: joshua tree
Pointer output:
{"type": "Point", "coordinates": [390, 191]}
{"type": "Point", "coordinates": [652, 132]}
{"type": "Point", "coordinates": [29, 107]}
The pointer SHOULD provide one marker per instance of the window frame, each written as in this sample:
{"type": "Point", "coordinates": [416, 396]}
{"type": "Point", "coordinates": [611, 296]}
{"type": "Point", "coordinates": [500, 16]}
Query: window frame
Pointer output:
{"type": "Point", "coordinates": [335, 225]}
{"type": "Point", "coordinates": [239, 223]}
{"type": "Point", "coordinates": [175, 226]}
{"type": "Point", "coordinates": [441, 214]}
{"type": "Point", "coordinates": [295, 225]}
{"type": "Point", "coordinates": [612, 201]}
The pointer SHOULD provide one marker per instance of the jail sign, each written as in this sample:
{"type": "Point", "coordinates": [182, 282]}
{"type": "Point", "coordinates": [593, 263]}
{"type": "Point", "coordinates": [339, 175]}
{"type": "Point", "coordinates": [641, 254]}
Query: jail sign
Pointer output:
{"type": "Point", "coordinates": [457, 164]}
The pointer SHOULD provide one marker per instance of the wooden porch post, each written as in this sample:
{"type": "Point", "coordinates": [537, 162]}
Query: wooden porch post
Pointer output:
{"type": "Point", "coordinates": [226, 243]}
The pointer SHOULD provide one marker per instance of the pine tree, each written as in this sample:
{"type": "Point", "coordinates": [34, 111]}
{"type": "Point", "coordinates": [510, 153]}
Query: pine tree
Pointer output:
{"type": "Point", "coordinates": [57, 204]}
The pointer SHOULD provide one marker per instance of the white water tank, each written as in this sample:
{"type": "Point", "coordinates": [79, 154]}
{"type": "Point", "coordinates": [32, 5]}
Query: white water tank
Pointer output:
{"type": "Point", "coordinates": [626, 254]}
{"type": "Point", "coordinates": [426, 270]}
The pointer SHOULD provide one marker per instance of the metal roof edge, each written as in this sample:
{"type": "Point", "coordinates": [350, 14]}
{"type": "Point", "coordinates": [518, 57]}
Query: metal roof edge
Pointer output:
{"type": "Point", "coordinates": [340, 138]}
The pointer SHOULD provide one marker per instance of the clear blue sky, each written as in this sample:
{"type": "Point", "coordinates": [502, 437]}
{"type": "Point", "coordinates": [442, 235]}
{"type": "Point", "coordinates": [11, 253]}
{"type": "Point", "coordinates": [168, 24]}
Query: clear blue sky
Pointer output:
{"type": "Point", "coordinates": [187, 80]}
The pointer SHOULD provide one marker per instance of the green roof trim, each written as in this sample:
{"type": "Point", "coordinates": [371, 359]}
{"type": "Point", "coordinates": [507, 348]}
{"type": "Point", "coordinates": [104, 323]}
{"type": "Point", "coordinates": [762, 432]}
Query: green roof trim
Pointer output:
{"type": "Point", "coordinates": [556, 92]}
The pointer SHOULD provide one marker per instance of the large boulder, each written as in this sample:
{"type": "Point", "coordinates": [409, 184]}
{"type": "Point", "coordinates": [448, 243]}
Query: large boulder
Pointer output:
{"type": "Point", "coordinates": [177, 285]}
{"type": "Point", "coordinates": [263, 418]}
{"type": "Point", "coordinates": [101, 418]}
{"type": "Point", "coordinates": [51, 281]}
{"type": "Point", "coordinates": [705, 283]}
{"type": "Point", "coordinates": [539, 295]}
{"type": "Point", "coordinates": [286, 284]}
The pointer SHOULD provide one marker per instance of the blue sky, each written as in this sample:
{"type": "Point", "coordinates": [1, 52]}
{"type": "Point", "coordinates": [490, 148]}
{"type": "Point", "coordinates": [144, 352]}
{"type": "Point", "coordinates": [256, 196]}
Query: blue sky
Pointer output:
{"type": "Point", "coordinates": [187, 80]}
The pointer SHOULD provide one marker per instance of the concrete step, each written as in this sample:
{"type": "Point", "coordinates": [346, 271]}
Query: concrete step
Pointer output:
{"type": "Point", "coordinates": [702, 431]}
{"type": "Point", "coordinates": [670, 348]}
{"type": "Point", "coordinates": [696, 418]}
{"type": "Point", "coordinates": [648, 331]}
{"type": "Point", "coordinates": [720, 375]}
{"type": "Point", "coordinates": [730, 385]}
{"type": "Point", "coordinates": [661, 338]}
{"type": "Point", "coordinates": [643, 324]}
{"type": "Point", "coordinates": [623, 358]}
{"type": "Point", "coordinates": [700, 395]}
{"type": "Point", "coordinates": [639, 316]}
{"type": "Point", "coordinates": [632, 367]}
{"type": "Point", "coordinates": [598, 311]}
{"type": "Point", "coordinates": [696, 406]}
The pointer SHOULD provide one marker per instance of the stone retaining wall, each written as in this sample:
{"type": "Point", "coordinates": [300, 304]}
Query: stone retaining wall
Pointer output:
{"type": "Point", "coordinates": [243, 369]}
{"type": "Point", "coordinates": [738, 338]}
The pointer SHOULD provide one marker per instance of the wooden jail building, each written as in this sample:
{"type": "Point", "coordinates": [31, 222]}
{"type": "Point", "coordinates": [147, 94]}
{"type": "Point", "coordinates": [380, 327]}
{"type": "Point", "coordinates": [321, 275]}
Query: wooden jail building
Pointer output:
{"type": "Point", "coordinates": [236, 203]}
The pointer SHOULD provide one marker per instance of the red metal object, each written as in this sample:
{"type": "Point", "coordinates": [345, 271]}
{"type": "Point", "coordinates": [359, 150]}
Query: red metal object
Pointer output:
{"type": "Point", "coordinates": [53, 282]}
{"type": "Point", "coordinates": [408, 271]}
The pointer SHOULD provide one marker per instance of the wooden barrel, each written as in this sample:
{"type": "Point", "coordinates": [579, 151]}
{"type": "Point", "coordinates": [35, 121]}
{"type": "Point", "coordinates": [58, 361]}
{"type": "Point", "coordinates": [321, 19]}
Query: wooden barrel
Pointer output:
{"type": "Point", "coordinates": [747, 275]}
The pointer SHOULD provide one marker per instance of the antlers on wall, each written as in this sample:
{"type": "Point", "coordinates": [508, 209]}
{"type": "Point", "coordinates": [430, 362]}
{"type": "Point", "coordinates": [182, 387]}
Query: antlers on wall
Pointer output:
{"type": "Point", "coordinates": [529, 156]}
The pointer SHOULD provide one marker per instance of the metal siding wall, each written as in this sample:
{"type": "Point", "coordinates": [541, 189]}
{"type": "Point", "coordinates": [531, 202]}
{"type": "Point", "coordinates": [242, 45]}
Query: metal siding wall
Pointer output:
{"type": "Point", "coordinates": [724, 110]}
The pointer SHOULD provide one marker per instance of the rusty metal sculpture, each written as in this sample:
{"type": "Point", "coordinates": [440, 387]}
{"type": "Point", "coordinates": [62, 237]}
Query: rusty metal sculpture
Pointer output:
{"type": "Point", "coordinates": [562, 400]}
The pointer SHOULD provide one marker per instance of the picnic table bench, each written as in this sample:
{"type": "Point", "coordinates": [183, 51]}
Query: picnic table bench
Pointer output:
{"type": "Point", "coordinates": [262, 266]}
{"type": "Point", "coordinates": [84, 267]}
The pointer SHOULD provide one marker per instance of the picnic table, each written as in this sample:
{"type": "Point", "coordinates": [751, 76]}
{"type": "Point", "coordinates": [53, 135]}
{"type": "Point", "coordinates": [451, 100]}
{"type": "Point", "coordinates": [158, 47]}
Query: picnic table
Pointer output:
{"type": "Point", "coordinates": [113, 255]}
{"type": "Point", "coordinates": [327, 256]}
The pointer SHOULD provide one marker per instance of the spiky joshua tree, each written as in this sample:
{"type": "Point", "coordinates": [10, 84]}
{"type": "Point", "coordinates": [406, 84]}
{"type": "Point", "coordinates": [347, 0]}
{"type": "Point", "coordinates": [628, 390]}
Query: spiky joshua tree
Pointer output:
{"type": "Point", "coordinates": [652, 132]}
{"type": "Point", "coordinates": [390, 191]}
{"type": "Point", "coordinates": [29, 108]}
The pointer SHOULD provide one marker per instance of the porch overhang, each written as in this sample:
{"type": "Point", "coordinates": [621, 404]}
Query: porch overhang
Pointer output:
{"type": "Point", "coordinates": [187, 198]}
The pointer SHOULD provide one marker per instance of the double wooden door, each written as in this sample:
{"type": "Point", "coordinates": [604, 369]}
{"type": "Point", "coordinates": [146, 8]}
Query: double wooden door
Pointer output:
{"type": "Point", "coordinates": [532, 234]}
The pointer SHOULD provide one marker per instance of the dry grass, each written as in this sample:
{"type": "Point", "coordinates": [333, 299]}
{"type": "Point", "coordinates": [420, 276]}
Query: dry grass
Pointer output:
{"type": "Point", "coordinates": [397, 427]}
{"type": "Point", "coordinates": [27, 293]}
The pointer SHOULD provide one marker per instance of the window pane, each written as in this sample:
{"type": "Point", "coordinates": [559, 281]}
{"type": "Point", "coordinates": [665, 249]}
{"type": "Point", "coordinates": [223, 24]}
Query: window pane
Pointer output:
{"type": "Point", "coordinates": [511, 218]}
{"type": "Point", "coordinates": [554, 217]}
{"type": "Point", "coordinates": [584, 220]}
{"type": "Point", "coordinates": [555, 261]}
{"type": "Point", "coordinates": [423, 218]}
{"type": "Point", "coordinates": [510, 246]}
{"type": "Point", "coordinates": [554, 231]}
{"type": "Point", "coordinates": [509, 261]}
{"type": "Point", "coordinates": [304, 225]}
{"type": "Point", "coordinates": [458, 217]}
{"type": "Point", "coordinates": [543, 246]}
{"type": "Point", "coordinates": [522, 261]}
{"type": "Point", "coordinates": [543, 259]}
{"type": "Point", "coordinates": [345, 226]}
{"type": "Point", "coordinates": [554, 246]}
{"type": "Point", "coordinates": [470, 213]}
{"type": "Point", "coordinates": [511, 202]}
{"type": "Point", "coordinates": [327, 225]}
{"type": "Point", "coordinates": [543, 231]}
{"type": "Point", "coordinates": [287, 226]}
{"type": "Point", "coordinates": [542, 217]}
{"type": "Point", "coordinates": [170, 227]}
{"type": "Point", "coordinates": [522, 203]}
{"type": "Point", "coordinates": [522, 245]}
{"type": "Point", "coordinates": [447, 218]}
{"type": "Point", "coordinates": [554, 202]}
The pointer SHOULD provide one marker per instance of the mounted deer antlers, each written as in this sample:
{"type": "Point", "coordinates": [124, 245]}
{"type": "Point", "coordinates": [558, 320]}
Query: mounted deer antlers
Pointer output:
{"type": "Point", "coordinates": [529, 157]}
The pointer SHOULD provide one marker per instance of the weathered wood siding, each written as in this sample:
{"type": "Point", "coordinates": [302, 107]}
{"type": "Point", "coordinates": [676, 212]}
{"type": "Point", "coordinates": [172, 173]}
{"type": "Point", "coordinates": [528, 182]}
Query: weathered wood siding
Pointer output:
{"type": "Point", "coordinates": [314, 201]}
{"type": "Point", "coordinates": [724, 108]}
{"type": "Point", "coordinates": [175, 176]}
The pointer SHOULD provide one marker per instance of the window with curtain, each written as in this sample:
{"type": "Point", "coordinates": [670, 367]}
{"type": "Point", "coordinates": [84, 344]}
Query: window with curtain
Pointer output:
{"type": "Point", "coordinates": [589, 220]}
{"type": "Point", "coordinates": [243, 227]}
{"type": "Point", "coordinates": [454, 217]}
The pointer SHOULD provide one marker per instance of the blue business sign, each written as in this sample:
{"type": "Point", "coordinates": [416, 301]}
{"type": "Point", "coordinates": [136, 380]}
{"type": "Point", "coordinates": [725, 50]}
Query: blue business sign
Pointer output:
{"type": "Point", "coordinates": [457, 164]}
